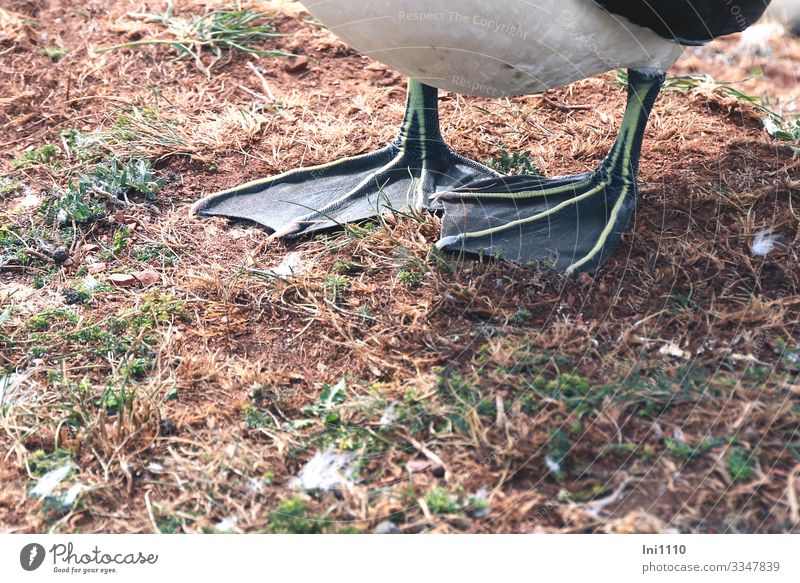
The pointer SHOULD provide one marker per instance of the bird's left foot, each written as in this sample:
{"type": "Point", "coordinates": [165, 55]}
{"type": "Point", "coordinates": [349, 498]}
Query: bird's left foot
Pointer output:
{"type": "Point", "coordinates": [572, 223]}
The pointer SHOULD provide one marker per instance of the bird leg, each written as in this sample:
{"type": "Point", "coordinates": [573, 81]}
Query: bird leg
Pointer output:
{"type": "Point", "coordinates": [400, 177]}
{"type": "Point", "coordinates": [572, 222]}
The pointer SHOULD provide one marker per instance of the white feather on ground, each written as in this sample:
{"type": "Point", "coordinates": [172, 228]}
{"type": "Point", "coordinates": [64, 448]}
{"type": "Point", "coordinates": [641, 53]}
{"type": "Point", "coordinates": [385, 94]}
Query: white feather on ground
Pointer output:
{"type": "Point", "coordinates": [49, 482]}
{"type": "Point", "coordinates": [325, 471]}
{"type": "Point", "coordinates": [765, 243]}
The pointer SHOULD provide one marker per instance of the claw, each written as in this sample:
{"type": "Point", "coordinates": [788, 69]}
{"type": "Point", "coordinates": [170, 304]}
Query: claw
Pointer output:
{"type": "Point", "coordinates": [451, 241]}
{"type": "Point", "coordinates": [289, 229]}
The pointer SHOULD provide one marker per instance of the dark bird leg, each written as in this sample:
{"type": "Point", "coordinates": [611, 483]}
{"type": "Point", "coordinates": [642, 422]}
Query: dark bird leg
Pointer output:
{"type": "Point", "coordinates": [401, 177]}
{"type": "Point", "coordinates": [573, 222]}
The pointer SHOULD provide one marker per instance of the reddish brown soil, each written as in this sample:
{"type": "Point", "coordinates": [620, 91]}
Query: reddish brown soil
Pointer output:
{"type": "Point", "coordinates": [684, 278]}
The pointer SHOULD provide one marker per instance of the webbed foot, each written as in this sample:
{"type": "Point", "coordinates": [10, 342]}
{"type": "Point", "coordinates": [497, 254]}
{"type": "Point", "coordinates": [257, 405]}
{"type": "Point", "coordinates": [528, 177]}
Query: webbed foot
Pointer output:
{"type": "Point", "coordinates": [400, 177]}
{"type": "Point", "coordinates": [573, 223]}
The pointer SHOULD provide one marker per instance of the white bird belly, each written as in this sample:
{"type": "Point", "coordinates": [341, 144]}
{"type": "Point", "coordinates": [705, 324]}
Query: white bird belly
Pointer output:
{"type": "Point", "coordinates": [494, 48]}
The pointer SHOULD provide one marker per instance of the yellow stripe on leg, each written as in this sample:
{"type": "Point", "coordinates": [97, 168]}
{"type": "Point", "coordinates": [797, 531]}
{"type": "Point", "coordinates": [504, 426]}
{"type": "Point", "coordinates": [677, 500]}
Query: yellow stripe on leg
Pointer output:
{"type": "Point", "coordinates": [601, 241]}
{"type": "Point", "coordinates": [536, 217]}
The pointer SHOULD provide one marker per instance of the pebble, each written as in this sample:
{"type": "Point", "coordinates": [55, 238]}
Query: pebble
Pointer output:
{"type": "Point", "coordinates": [296, 64]}
{"type": "Point", "coordinates": [122, 280]}
{"type": "Point", "coordinates": [386, 527]}
{"type": "Point", "coordinates": [147, 277]}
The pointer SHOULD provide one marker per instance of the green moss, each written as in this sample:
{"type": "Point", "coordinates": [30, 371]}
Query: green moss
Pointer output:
{"type": "Point", "coordinates": [9, 186]}
{"type": "Point", "coordinates": [440, 501]}
{"type": "Point", "coordinates": [684, 451]}
{"type": "Point", "coordinates": [514, 163]}
{"type": "Point", "coordinates": [39, 462]}
{"type": "Point", "coordinates": [54, 53]}
{"type": "Point", "coordinates": [336, 287]}
{"type": "Point", "coordinates": [521, 316]}
{"type": "Point", "coordinates": [44, 320]}
{"type": "Point", "coordinates": [409, 277]}
{"type": "Point", "coordinates": [47, 155]}
{"type": "Point", "coordinates": [292, 517]}
{"type": "Point", "coordinates": [740, 464]}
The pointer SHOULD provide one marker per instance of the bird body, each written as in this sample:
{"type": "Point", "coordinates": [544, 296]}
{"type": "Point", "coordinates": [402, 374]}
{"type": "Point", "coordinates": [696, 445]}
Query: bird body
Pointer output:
{"type": "Point", "coordinates": [495, 48]}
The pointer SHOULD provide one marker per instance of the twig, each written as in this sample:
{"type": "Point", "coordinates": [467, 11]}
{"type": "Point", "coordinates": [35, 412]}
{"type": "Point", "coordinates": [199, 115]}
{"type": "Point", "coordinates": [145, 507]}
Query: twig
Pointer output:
{"type": "Point", "coordinates": [564, 106]}
{"type": "Point", "coordinates": [264, 84]}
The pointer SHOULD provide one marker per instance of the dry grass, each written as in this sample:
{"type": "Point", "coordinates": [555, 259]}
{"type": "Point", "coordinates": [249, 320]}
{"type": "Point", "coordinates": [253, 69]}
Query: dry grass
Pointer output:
{"type": "Point", "coordinates": [660, 394]}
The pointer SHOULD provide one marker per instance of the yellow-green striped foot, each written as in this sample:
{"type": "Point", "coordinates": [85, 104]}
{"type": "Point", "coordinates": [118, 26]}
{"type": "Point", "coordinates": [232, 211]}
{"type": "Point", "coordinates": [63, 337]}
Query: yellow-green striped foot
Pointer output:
{"type": "Point", "coordinates": [400, 177]}
{"type": "Point", "coordinates": [573, 223]}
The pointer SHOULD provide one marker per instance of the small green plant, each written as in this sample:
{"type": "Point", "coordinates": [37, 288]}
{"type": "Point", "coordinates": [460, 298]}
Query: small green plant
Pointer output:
{"type": "Point", "coordinates": [155, 254]}
{"type": "Point", "coordinates": [684, 451]}
{"type": "Point", "coordinates": [169, 524]}
{"type": "Point", "coordinates": [156, 308]}
{"type": "Point", "coordinates": [784, 131]}
{"type": "Point", "coordinates": [77, 206]}
{"type": "Point", "coordinates": [255, 419]}
{"type": "Point", "coordinates": [558, 448]}
{"type": "Point", "coordinates": [440, 501]}
{"type": "Point", "coordinates": [54, 52]}
{"type": "Point", "coordinates": [344, 267]}
{"type": "Point", "coordinates": [478, 505]}
{"type": "Point", "coordinates": [120, 240]}
{"type": "Point", "coordinates": [47, 155]}
{"type": "Point", "coordinates": [325, 405]}
{"type": "Point", "coordinates": [776, 126]}
{"type": "Point", "coordinates": [409, 277]}
{"type": "Point", "coordinates": [79, 145]}
{"type": "Point", "coordinates": [703, 83]}
{"type": "Point", "coordinates": [113, 182]}
{"type": "Point", "coordinates": [336, 287]}
{"type": "Point", "coordinates": [86, 289]}
{"type": "Point", "coordinates": [625, 448]}
{"type": "Point", "coordinates": [464, 398]}
{"type": "Point", "coordinates": [790, 355]}
{"type": "Point", "coordinates": [44, 320]}
{"type": "Point", "coordinates": [292, 517]}
{"type": "Point", "coordinates": [514, 163]}
{"type": "Point", "coordinates": [521, 316]}
{"type": "Point", "coordinates": [684, 302]}
{"type": "Point", "coordinates": [5, 316]}
{"type": "Point", "coordinates": [216, 32]}
{"type": "Point", "coordinates": [136, 368]}
{"type": "Point", "coordinates": [576, 392]}
{"type": "Point", "coordinates": [8, 186]}
{"type": "Point", "coordinates": [121, 180]}
{"type": "Point", "coordinates": [144, 133]}
{"type": "Point", "coordinates": [39, 462]}
{"type": "Point", "coordinates": [365, 312]}
{"type": "Point", "coordinates": [115, 399]}
{"type": "Point", "coordinates": [740, 464]}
